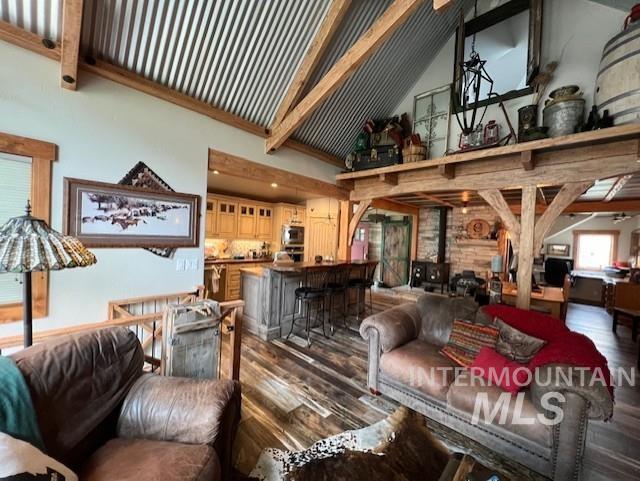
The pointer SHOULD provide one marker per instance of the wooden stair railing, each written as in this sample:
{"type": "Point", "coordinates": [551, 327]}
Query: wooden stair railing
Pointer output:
{"type": "Point", "coordinates": [137, 313]}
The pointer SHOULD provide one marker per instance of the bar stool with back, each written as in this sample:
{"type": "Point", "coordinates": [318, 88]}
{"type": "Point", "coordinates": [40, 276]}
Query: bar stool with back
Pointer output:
{"type": "Point", "coordinates": [338, 286]}
{"type": "Point", "coordinates": [361, 282]}
{"type": "Point", "coordinates": [312, 293]}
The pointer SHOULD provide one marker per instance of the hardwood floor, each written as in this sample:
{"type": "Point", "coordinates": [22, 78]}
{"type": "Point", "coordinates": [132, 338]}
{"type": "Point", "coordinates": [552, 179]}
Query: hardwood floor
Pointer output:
{"type": "Point", "coordinates": [294, 395]}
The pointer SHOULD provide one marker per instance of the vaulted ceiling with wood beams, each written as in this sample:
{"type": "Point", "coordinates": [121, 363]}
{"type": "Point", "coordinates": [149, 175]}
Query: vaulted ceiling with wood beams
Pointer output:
{"type": "Point", "coordinates": [254, 61]}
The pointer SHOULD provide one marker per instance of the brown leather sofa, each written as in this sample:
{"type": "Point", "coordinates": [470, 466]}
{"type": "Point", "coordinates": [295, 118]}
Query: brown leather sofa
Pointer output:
{"type": "Point", "coordinates": [103, 417]}
{"type": "Point", "coordinates": [407, 338]}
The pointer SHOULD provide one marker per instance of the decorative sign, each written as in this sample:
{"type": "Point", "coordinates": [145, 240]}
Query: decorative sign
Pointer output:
{"type": "Point", "coordinates": [478, 229]}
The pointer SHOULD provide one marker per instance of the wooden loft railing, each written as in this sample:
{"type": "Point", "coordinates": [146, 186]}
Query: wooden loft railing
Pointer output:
{"type": "Point", "coordinates": [142, 315]}
{"type": "Point", "coordinates": [573, 161]}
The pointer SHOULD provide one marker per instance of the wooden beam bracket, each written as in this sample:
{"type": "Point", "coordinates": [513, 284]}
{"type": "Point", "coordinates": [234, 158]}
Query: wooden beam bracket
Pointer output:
{"type": "Point", "coordinates": [355, 220]}
{"type": "Point", "coordinates": [448, 171]}
{"type": "Point", "coordinates": [528, 160]}
{"type": "Point", "coordinates": [389, 178]}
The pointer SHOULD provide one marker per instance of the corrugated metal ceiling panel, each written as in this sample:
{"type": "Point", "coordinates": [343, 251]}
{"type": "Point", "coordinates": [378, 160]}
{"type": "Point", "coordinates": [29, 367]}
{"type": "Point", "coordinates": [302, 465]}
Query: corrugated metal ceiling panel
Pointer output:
{"type": "Point", "coordinates": [236, 55]}
{"type": "Point", "coordinates": [380, 84]}
{"type": "Point", "coordinates": [241, 55]}
{"type": "Point", "coordinates": [42, 17]}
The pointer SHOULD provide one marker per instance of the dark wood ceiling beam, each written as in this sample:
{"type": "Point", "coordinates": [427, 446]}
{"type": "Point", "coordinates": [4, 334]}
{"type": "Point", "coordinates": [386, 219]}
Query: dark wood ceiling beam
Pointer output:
{"type": "Point", "coordinates": [435, 199]}
{"type": "Point", "coordinates": [34, 43]}
{"type": "Point", "coordinates": [395, 206]}
{"type": "Point", "coordinates": [360, 51]}
{"type": "Point", "coordinates": [71, 28]}
{"type": "Point", "coordinates": [330, 23]}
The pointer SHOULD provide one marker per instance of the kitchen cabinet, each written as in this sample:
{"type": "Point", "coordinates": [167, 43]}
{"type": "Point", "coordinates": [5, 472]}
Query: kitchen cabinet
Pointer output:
{"type": "Point", "coordinates": [321, 238]}
{"type": "Point", "coordinates": [294, 215]}
{"type": "Point", "coordinates": [227, 219]}
{"type": "Point", "coordinates": [210, 217]}
{"type": "Point", "coordinates": [264, 222]}
{"type": "Point", "coordinates": [246, 221]}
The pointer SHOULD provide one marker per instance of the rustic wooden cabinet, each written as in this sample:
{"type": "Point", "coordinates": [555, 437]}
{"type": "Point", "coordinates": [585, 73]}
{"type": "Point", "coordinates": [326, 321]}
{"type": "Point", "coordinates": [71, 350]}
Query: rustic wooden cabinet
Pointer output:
{"type": "Point", "coordinates": [264, 222]}
{"type": "Point", "coordinates": [246, 221]}
{"type": "Point", "coordinates": [210, 217]}
{"type": "Point", "coordinates": [227, 219]}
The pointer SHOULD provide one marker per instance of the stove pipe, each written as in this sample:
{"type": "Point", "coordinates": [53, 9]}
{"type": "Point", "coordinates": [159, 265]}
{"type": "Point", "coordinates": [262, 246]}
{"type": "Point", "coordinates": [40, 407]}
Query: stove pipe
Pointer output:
{"type": "Point", "coordinates": [442, 234]}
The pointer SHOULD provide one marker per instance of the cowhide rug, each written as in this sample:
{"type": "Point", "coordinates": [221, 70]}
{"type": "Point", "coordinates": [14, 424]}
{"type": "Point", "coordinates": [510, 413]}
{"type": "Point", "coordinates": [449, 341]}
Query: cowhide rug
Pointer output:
{"type": "Point", "coordinates": [399, 448]}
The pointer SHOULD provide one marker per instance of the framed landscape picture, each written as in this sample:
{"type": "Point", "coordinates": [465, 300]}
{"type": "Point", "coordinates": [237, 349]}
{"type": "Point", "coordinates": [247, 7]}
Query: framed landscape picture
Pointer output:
{"type": "Point", "coordinates": [113, 215]}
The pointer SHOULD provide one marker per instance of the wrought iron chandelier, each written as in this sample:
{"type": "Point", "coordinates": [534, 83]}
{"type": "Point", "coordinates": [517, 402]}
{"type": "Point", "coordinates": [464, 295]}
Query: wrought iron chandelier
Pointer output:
{"type": "Point", "coordinates": [473, 77]}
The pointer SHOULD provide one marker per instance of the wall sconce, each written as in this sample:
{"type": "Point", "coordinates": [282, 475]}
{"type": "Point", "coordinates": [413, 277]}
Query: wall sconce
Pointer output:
{"type": "Point", "coordinates": [465, 210]}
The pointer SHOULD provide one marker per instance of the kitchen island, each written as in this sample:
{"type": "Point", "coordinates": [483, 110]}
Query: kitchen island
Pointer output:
{"type": "Point", "coordinates": [268, 292]}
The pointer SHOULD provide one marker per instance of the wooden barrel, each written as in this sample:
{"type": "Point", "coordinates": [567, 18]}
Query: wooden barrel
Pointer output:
{"type": "Point", "coordinates": [618, 81]}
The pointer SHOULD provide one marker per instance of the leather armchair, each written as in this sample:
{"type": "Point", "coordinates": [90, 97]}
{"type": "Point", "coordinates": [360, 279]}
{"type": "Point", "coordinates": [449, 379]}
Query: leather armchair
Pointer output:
{"type": "Point", "coordinates": [102, 416]}
{"type": "Point", "coordinates": [182, 410]}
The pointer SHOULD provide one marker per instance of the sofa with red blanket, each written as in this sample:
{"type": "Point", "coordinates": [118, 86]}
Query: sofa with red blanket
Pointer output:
{"type": "Point", "coordinates": [543, 426]}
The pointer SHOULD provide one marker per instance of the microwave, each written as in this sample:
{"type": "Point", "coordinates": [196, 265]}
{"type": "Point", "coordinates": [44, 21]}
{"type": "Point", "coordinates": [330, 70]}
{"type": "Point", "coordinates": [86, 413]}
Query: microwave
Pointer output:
{"type": "Point", "coordinates": [292, 235]}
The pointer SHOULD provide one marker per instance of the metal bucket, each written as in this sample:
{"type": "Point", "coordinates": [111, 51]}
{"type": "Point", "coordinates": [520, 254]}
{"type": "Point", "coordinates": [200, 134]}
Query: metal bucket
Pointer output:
{"type": "Point", "coordinates": [618, 81]}
{"type": "Point", "coordinates": [563, 117]}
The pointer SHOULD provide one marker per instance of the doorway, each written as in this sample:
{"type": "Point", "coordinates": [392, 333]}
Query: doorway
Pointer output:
{"type": "Point", "coordinates": [396, 252]}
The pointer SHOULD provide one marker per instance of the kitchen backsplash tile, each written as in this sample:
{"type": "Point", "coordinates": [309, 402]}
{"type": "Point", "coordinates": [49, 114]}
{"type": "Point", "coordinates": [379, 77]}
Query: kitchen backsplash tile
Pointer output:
{"type": "Point", "coordinates": [231, 248]}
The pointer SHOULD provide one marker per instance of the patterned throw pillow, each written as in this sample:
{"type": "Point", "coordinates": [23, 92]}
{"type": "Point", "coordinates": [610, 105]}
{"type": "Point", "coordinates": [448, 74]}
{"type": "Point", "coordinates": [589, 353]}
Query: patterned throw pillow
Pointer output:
{"type": "Point", "coordinates": [516, 345]}
{"type": "Point", "coordinates": [466, 340]}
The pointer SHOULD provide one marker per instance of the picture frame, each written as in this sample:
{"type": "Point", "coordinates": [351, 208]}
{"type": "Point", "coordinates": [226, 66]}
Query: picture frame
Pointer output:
{"type": "Point", "coordinates": [563, 250]}
{"type": "Point", "coordinates": [108, 215]}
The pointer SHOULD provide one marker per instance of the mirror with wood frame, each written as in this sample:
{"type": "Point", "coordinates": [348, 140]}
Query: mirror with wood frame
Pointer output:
{"type": "Point", "coordinates": [508, 38]}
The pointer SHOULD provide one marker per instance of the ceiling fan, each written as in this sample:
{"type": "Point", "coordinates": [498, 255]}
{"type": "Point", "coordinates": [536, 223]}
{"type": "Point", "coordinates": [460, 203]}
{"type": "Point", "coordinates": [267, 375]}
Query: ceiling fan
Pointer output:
{"type": "Point", "coordinates": [617, 218]}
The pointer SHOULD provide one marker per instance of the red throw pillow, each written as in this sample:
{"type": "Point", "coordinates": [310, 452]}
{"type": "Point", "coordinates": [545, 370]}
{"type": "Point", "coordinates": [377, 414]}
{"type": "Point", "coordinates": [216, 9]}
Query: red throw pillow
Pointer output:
{"type": "Point", "coordinates": [466, 340]}
{"type": "Point", "coordinates": [500, 371]}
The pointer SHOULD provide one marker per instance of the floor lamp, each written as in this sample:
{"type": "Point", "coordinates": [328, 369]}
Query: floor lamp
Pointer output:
{"type": "Point", "coordinates": [27, 245]}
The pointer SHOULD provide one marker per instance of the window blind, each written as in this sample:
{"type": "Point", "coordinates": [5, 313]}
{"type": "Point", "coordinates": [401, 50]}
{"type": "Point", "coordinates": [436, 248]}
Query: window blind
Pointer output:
{"type": "Point", "coordinates": [15, 190]}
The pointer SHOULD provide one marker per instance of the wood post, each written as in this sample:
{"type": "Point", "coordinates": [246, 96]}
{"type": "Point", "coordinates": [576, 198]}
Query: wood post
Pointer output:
{"type": "Point", "coordinates": [346, 213]}
{"type": "Point", "coordinates": [525, 254]}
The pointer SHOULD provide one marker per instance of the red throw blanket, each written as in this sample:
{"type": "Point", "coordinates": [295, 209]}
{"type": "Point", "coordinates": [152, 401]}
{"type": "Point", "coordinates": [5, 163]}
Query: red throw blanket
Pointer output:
{"type": "Point", "coordinates": [563, 346]}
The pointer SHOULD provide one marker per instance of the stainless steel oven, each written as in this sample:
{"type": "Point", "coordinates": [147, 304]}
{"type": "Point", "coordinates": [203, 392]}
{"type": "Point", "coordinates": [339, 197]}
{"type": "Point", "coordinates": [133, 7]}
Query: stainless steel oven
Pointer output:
{"type": "Point", "coordinates": [292, 236]}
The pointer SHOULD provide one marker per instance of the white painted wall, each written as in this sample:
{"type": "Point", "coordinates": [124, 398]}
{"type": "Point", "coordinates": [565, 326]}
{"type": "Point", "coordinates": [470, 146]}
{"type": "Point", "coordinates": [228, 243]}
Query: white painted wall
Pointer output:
{"type": "Point", "coordinates": [102, 130]}
{"type": "Point", "coordinates": [601, 222]}
{"type": "Point", "coordinates": [574, 33]}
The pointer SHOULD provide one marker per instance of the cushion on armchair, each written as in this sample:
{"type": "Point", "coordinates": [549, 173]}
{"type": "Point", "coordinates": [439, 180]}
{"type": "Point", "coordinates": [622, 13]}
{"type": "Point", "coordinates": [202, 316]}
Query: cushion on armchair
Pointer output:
{"type": "Point", "coordinates": [77, 383]}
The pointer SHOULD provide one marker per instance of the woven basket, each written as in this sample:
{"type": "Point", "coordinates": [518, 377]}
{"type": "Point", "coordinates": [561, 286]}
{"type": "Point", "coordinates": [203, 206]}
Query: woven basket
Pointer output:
{"type": "Point", "coordinates": [414, 153]}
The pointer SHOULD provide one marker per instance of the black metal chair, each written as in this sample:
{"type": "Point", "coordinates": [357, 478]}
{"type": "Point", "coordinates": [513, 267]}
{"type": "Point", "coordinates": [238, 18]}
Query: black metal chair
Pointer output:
{"type": "Point", "coordinates": [338, 286]}
{"type": "Point", "coordinates": [361, 282]}
{"type": "Point", "coordinates": [312, 293]}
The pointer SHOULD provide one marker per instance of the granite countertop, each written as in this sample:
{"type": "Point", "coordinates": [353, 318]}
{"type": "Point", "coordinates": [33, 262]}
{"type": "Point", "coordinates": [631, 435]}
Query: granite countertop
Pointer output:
{"type": "Point", "coordinates": [238, 261]}
{"type": "Point", "coordinates": [300, 266]}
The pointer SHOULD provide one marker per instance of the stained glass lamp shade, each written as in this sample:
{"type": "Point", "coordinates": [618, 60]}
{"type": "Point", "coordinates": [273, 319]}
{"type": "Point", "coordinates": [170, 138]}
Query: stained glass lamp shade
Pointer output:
{"type": "Point", "coordinates": [27, 245]}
